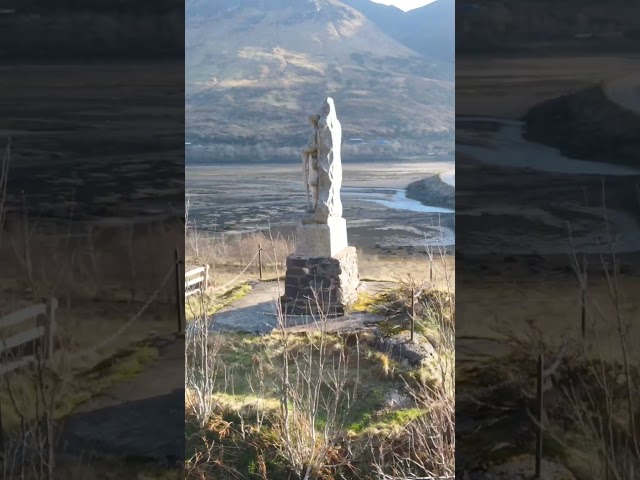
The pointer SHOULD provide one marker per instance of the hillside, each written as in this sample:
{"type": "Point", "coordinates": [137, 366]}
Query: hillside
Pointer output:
{"type": "Point", "coordinates": [256, 70]}
{"type": "Point", "coordinates": [427, 30]}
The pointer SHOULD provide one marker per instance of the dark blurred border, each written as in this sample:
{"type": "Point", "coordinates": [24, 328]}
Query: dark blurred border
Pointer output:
{"type": "Point", "coordinates": [92, 142]}
{"type": "Point", "coordinates": [548, 239]}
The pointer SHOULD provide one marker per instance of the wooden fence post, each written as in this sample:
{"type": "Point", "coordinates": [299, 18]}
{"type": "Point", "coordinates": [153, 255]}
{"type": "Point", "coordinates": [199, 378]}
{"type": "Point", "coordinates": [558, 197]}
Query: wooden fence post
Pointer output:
{"type": "Point", "coordinates": [583, 300]}
{"type": "Point", "coordinates": [260, 259]}
{"type": "Point", "coordinates": [179, 293]}
{"type": "Point", "coordinates": [539, 411]}
{"type": "Point", "coordinates": [50, 325]}
{"type": "Point", "coordinates": [206, 278]}
{"type": "Point", "coordinates": [413, 312]}
{"type": "Point", "coordinates": [1, 425]}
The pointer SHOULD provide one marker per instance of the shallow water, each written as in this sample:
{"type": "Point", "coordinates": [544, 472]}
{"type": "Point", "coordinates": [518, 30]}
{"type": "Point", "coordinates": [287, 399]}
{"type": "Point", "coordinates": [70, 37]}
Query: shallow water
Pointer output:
{"type": "Point", "coordinates": [506, 147]}
{"type": "Point", "coordinates": [394, 199]}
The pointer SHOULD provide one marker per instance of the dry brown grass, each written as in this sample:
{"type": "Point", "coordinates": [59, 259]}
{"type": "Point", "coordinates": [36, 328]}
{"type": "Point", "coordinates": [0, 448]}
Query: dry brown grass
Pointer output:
{"type": "Point", "coordinates": [554, 306]}
{"type": "Point", "coordinates": [228, 256]}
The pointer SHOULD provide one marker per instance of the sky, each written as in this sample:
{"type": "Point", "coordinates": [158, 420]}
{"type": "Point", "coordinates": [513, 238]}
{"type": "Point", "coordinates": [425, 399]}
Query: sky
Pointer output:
{"type": "Point", "coordinates": [405, 5]}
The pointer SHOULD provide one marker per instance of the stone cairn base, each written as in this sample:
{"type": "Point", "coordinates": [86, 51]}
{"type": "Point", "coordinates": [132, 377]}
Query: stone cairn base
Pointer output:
{"type": "Point", "coordinates": [327, 285]}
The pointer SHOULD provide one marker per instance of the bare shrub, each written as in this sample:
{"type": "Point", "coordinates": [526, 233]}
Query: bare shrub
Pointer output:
{"type": "Point", "coordinates": [318, 390]}
{"type": "Point", "coordinates": [425, 446]}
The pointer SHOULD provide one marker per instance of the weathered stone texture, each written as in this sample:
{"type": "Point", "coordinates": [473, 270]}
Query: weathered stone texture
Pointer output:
{"type": "Point", "coordinates": [329, 138]}
{"type": "Point", "coordinates": [321, 284]}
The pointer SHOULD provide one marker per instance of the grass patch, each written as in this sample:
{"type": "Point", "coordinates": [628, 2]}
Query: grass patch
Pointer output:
{"type": "Point", "coordinates": [242, 353]}
{"type": "Point", "coordinates": [200, 305]}
{"type": "Point", "coordinates": [77, 390]}
{"type": "Point", "coordinates": [238, 403]}
{"type": "Point", "coordinates": [386, 421]}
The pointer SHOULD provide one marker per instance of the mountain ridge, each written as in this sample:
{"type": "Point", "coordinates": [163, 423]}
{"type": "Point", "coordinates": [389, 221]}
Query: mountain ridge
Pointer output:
{"type": "Point", "coordinates": [428, 30]}
{"type": "Point", "coordinates": [255, 71]}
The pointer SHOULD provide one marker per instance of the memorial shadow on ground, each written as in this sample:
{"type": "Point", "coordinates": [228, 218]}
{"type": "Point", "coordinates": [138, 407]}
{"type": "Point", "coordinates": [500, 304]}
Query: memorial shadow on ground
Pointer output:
{"type": "Point", "coordinates": [146, 429]}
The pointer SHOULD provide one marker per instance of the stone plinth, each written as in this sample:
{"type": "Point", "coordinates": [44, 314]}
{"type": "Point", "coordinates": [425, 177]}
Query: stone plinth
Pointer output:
{"type": "Point", "coordinates": [322, 239]}
{"type": "Point", "coordinates": [327, 284]}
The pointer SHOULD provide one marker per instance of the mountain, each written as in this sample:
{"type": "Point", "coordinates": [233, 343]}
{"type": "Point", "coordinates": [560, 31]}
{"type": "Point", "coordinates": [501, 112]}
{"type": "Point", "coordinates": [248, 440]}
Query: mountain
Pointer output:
{"type": "Point", "coordinates": [428, 30]}
{"type": "Point", "coordinates": [257, 69]}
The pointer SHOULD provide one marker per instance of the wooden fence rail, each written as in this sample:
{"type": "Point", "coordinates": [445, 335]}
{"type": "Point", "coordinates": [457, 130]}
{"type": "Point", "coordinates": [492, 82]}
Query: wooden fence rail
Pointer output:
{"type": "Point", "coordinates": [11, 355]}
{"type": "Point", "coordinates": [44, 330]}
{"type": "Point", "coordinates": [196, 280]}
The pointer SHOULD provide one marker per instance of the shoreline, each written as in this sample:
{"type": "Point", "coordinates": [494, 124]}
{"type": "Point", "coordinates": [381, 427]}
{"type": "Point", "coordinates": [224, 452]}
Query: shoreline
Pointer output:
{"type": "Point", "coordinates": [609, 136]}
{"type": "Point", "coordinates": [432, 191]}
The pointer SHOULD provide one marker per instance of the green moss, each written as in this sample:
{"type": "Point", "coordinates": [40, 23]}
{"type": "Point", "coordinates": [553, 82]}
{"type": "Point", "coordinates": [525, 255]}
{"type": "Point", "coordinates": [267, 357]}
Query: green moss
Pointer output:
{"type": "Point", "coordinates": [369, 401]}
{"type": "Point", "coordinates": [366, 303]}
{"type": "Point", "coordinates": [386, 421]}
{"type": "Point", "coordinates": [401, 417]}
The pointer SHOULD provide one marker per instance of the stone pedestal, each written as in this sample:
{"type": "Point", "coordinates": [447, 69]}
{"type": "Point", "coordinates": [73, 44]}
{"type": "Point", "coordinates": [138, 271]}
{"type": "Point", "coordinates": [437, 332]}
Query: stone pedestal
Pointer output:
{"type": "Point", "coordinates": [322, 239]}
{"type": "Point", "coordinates": [327, 284]}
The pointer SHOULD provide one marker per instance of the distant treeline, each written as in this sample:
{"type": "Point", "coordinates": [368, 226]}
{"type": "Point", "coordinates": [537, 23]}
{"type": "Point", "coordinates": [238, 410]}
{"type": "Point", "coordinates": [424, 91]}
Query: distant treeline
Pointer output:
{"type": "Point", "coordinates": [79, 29]}
{"type": "Point", "coordinates": [261, 152]}
{"type": "Point", "coordinates": [505, 26]}
{"type": "Point", "coordinates": [442, 139]}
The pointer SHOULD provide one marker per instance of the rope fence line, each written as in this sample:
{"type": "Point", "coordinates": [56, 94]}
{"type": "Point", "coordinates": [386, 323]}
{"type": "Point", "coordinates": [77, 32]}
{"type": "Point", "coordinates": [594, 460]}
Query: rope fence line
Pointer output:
{"type": "Point", "coordinates": [238, 276]}
{"type": "Point", "coordinates": [259, 254]}
{"type": "Point", "coordinates": [129, 322]}
{"type": "Point", "coordinates": [555, 363]}
{"type": "Point", "coordinates": [301, 315]}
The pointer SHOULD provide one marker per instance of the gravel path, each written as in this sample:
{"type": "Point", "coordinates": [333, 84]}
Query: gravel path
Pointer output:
{"type": "Point", "coordinates": [255, 313]}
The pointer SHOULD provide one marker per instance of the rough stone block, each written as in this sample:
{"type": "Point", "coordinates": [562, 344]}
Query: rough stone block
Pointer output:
{"type": "Point", "coordinates": [330, 285]}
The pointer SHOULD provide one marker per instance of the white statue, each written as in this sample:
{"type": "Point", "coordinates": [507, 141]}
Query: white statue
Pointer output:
{"type": "Point", "coordinates": [323, 166]}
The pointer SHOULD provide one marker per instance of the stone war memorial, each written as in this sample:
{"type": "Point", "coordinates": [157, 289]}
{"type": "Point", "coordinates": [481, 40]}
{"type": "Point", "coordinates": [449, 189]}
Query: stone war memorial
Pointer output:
{"type": "Point", "coordinates": [322, 274]}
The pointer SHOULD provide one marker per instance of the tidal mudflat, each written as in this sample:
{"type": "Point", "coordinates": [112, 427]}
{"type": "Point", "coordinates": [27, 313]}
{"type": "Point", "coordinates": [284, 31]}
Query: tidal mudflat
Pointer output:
{"type": "Point", "coordinates": [236, 199]}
